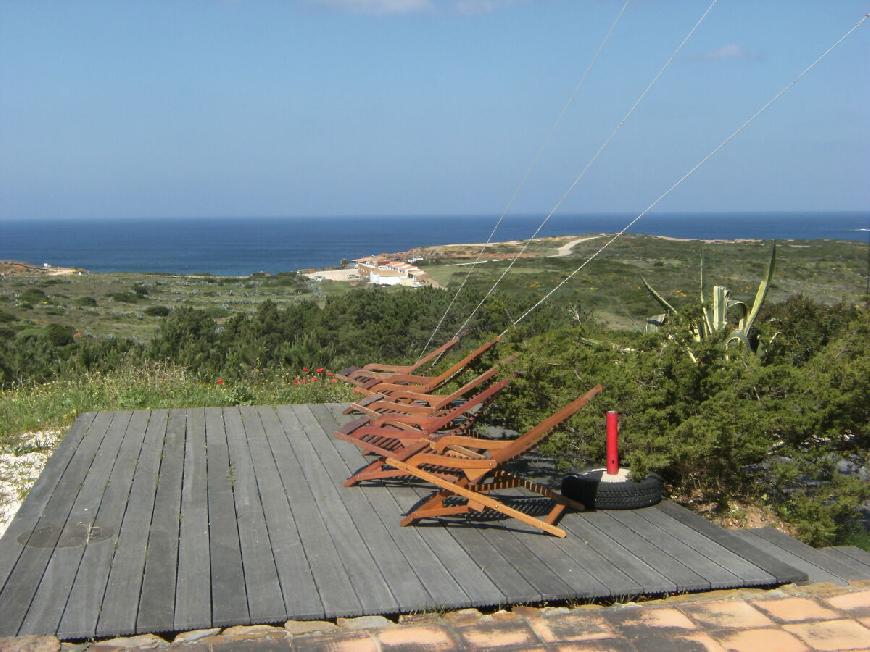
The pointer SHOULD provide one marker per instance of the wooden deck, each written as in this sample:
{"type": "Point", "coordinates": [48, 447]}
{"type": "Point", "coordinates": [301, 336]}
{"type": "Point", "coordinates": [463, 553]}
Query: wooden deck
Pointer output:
{"type": "Point", "coordinates": [155, 521]}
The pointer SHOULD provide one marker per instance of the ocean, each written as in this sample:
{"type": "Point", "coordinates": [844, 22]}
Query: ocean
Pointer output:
{"type": "Point", "coordinates": [242, 246]}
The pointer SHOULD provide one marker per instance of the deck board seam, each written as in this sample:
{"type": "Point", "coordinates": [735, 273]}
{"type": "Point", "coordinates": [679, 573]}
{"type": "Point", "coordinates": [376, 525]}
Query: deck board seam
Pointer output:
{"type": "Point", "coordinates": [350, 517]}
{"type": "Point", "coordinates": [151, 521]}
{"type": "Point", "coordinates": [451, 572]}
{"type": "Point", "coordinates": [290, 511]}
{"type": "Point", "coordinates": [344, 566]}
{"type": "Point", "coordinates": [61, 528]}
{"type": "Point", "coordinates": [235, 510]}
{"type": "Point", "coordinates": [386, 526]}
{"type": "Point", "coordinates": [121, 522]}
{"type": "Point", "coordinates": [387, 529]}
{"type": "Point", "coordinates": [256, 415]}
{"type": "Point", "coordinates": [96, 516]}
{"type": "Point", "coordinates": [671, 554]}
{"type": "Point", "coordinates": [38, 517]}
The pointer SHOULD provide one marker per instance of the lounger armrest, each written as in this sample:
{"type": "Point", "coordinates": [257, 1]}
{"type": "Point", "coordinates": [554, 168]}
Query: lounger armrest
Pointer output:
{"type": "Point", "coordinates": [388, 408]}
{"type": "Point", "coordinates": [393, 368]}
{"type": "Point", "coordinates": [408, 379]}
{"type": "Point", "coordinates": [469, 442]}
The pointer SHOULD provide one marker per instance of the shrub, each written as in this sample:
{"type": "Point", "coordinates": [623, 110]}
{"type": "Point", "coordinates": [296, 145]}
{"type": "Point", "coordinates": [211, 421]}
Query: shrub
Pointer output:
{"type": "Point", "coordinates": [87, 302]}
{"type": "Point", "coordinates": [125, 297]}
{"type": "Point", "coordinates": [33, 295]}
{"type": "Point", "coordinates": [157, 311]}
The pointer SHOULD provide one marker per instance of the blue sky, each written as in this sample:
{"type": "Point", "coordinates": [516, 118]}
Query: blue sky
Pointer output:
{"type": "Point", "coordinates": [319, 107]}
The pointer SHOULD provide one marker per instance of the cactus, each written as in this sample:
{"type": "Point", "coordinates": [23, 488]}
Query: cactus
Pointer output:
{"type": "Point", "coordinates": [715, 313]}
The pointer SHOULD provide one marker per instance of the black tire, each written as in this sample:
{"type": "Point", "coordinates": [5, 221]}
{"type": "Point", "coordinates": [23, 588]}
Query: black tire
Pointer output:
{"type": "Point", "coordinates": [588, 489]}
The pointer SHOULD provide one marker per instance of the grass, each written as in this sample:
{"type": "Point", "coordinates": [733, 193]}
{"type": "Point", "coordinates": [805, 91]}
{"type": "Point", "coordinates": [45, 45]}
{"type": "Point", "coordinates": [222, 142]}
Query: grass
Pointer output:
{"type": "Point", "coordinates": [56, 404]}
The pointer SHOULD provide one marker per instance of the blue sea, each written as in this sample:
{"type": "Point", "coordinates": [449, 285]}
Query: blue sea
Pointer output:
{"type": "Point", "coordinates": [241, 246]}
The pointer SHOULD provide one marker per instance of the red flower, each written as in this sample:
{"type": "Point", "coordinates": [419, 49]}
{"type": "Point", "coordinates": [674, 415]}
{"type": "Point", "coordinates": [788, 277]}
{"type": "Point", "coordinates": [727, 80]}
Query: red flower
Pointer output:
{"type": "Point", "coordinates": [319, 370]}
{"type": "Point", "coordinates": [329, 373]}
{"type": "Point", "coordinates": [333, 380]}
{"type": "Point", "coordinates": [305, 369]}
{"type": "Point", "coordinates": [220, 381]}
{"type": "Point", "coordinates": [314, 379]}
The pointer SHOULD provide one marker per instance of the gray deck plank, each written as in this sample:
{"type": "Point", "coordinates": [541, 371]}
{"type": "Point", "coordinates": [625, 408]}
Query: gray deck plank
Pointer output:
{"type": "Point", "coordinates": [675, 570]}
{"type": "Point", "coordinates": [193, 584]}
{"type": "Point", "coordinates": [84, 600]}
{"type": "Point", "coordinates": [464, 565]}
{"type": "Point", "coordinates": [780, 570]}
{"type": "Point", "coordinates": [464, 568]}
{"type": "Point", "coordinates": [557, 554]}
{"type": "Point", "coordinates": [229, 598]}
{"type": "Point", "coordinates": [157, 598]}
{"type": "Point", "coordinates": [650, 580]}
{"type": "Point", "coordinates": [437, 579]}
{"type": "Point", "coordinates": [405, 585]}
{"type": "Point", "coordinates": [857, 570]}
{"type": "Point", "coordinates": [361, 566]}
{"type": "Point", "coordinates": [47, 608]}
{"type": "Point", "coordinates": [812, 572]}
{"type": "Point", "coordinates": [294, 573]}
{"type": "Point", "coordinates": [265, 600]}
{"type": "Point", "coordinates": [805, 552]}
{"type": "Point", "coordinates": [30, 570]}
{"type": "Point", "coordinates": [121, 600]}
{"type": "Point", "coordinates": [676, 548]}
{"type": "Point", "coordinates": [31, 510]}
{"type": "Point", "coordinates": [615, 581]}
{"type": "Point", "coordinates": [853, 552]}
{"type": "Point", "coordinates": [748, 573]}
{"type": "Point", "coordinates": [336, 591]}
{"type": "Point", "coordinates": [502, 536]}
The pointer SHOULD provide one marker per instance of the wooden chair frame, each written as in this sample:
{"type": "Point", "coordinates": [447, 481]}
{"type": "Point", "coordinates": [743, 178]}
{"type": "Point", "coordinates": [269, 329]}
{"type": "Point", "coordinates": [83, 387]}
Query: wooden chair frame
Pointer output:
{"type": "Point", "coordinates": [386, 434]}
{"type": "Point", "coordinates": [350, 374]}
{"type": "Point", "coordinates": [406, 401]}
{"type": "Point", "coordinates": [469, 469]}
{"type": "Point", "coordinates": [389, 383]}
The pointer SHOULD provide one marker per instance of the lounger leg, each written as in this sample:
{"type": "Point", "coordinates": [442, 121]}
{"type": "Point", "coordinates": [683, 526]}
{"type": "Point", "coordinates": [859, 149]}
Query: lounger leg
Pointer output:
{"type": "Point", "coordinates": [476, 501]}
{"type": "Point", "coordinates": [375, 470]}
{"type": "Point", "coordinates": [434, 507]}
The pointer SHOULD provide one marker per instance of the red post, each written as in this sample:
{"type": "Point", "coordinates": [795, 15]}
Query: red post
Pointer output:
{"type": "Point", "coordinates": [612, 442]}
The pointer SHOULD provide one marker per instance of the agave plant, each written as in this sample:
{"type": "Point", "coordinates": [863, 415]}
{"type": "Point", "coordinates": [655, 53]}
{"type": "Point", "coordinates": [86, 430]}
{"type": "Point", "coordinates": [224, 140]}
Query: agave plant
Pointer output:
{"type": "Point", "coordinates": [718, 313]}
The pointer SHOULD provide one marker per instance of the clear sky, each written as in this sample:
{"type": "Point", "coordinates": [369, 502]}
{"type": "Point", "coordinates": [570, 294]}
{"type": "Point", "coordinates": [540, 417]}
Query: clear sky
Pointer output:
{"type": "Point", "coordinates": [160, 108]}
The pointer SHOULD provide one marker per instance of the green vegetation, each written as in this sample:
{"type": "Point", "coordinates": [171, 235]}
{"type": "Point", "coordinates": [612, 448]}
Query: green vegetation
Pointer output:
{"type": "Point", "coordinates": [782, 427]}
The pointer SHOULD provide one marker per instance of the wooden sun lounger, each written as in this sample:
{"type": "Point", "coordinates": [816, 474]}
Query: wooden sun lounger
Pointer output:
{"type": "Point", "coordinates": [389, 383]}
{"type": "Point", "coordinates": [383, 435]}
{"type": "Point", "coordinates": [466, 470]}
{"type": "Point", "coordinates": [350, 374]}
{"type": "Point", "coordinates": [406, 401]}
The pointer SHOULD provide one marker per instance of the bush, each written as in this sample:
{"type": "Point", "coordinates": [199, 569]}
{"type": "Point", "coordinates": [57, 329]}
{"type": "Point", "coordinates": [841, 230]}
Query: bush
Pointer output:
{"type": "Point", "coordinates": [33, 295]}
{"type": "Point", "coordinates": [157, 311]}
{"type": "Point", "coordinates": [87, 302]}
{"type": "Point", "coordinates": [60, 335]}
{"type": "Point", "coordinates": [6, 317]}
{"type": "Point", "coordinates": [125, 297]}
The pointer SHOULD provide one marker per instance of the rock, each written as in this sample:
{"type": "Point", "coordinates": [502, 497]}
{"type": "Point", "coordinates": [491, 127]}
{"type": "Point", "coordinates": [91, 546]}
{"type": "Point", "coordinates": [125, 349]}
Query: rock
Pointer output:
{"type": "Point", "coordinates": [74, 647]}
{"type": "Point", "coordinates": [195, 635]}
{"type": "Point", "coordinates": [463, 616]}
{"type": "Point", "coordinates": [846, 467]}
{"type": "Point", "coordinates": [142, 642]}
{"type": "Point", "coordinates": [29, 644]}
{"type": "Point", "coordinates": [365, 622]}
{"type": "Point", "coordinates": [299, 627]}
{"type": "Point", "coordinates": [419, 619]}
{"type": "Point", "coordinates": [248, 632]}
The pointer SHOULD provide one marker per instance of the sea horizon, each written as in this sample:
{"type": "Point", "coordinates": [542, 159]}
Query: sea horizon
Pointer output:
{"type": "Point", "coordinates": [239, 246]}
